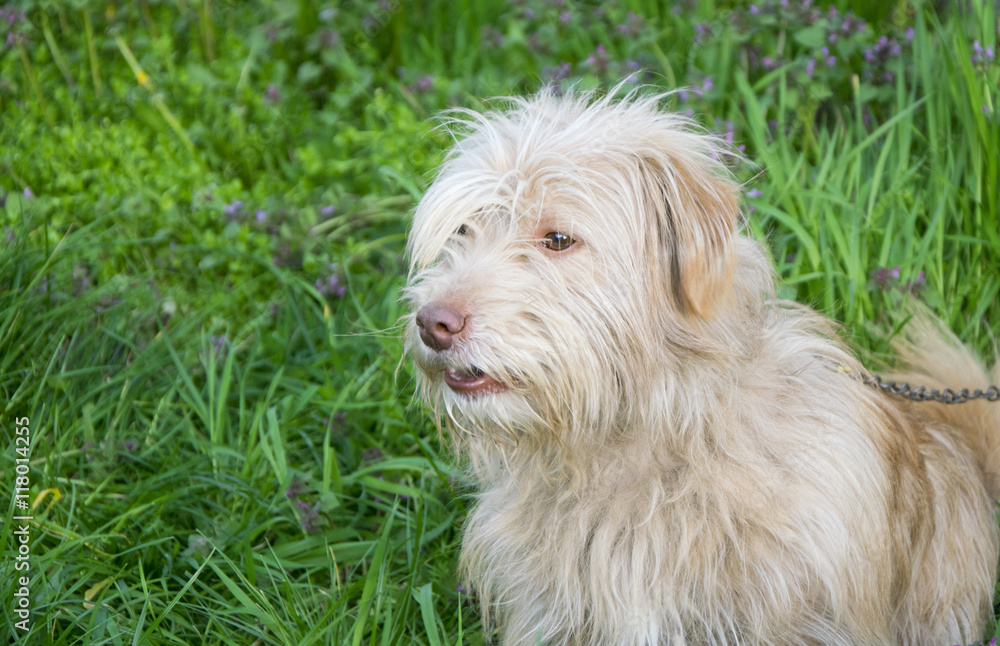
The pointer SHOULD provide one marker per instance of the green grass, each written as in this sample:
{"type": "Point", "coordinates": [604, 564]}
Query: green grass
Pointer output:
{"type": "Point", "coordinates": [225, 446]}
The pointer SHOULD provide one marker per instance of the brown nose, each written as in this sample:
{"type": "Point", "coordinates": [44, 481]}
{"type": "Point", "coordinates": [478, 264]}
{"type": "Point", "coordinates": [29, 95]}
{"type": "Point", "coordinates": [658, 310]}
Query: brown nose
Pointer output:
{"type": "Point", "coordinates": [439, 325]}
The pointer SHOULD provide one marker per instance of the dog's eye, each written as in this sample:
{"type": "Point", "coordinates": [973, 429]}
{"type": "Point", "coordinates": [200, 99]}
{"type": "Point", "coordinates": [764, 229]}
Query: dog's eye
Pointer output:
{"type": "Point", "coordinates": [462, 230]}
{"type": "Point", "coordinates": [555, 241]}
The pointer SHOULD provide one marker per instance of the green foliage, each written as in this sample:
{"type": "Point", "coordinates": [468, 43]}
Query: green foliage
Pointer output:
{"type": "Point", "coordinates": [205, 206]}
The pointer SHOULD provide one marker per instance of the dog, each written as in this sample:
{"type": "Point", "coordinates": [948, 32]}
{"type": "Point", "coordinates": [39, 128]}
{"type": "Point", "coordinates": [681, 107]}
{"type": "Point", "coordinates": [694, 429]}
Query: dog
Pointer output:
{"type": "Point", "coordinates": [664, 452]}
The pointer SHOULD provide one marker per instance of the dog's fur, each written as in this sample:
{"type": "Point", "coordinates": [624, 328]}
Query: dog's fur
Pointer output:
{"type": "Point", "coordinates": [667, 454]}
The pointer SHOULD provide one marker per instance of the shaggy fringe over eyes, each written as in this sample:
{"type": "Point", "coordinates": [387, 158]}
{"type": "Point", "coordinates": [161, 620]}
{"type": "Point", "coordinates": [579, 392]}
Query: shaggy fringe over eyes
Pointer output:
{"type": "Point", "coordinates": [680, 167]}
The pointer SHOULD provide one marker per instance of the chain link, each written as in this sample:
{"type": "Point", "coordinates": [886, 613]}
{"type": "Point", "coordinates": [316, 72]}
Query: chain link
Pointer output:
{"type": "Point", "coordinates": [921, 394]}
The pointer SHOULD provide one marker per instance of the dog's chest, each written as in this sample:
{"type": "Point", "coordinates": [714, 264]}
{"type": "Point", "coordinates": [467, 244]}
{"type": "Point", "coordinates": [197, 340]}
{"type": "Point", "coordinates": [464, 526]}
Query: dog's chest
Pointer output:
{"type": "Point", "coordinates": [640, 557]}
{"type": "Point", "coordinates": [640, 552]}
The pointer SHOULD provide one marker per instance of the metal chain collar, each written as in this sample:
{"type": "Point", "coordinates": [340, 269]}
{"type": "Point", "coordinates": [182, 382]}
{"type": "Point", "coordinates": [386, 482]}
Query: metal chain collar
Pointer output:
{"type": "Point", "coordinates": [921, 394]}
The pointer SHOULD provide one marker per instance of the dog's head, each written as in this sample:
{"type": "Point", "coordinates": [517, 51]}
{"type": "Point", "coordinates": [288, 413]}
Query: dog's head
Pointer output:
{"type": "Point", "coordinates": [563, 244]}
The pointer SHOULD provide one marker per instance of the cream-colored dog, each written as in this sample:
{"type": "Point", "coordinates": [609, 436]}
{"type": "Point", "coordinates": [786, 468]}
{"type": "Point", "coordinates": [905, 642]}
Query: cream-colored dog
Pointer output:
{"type": "Point", "coordinates": [665, 453]}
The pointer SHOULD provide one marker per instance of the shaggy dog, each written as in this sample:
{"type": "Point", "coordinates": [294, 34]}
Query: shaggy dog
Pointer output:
{"type": "Point", "coordinates": [665, 453]}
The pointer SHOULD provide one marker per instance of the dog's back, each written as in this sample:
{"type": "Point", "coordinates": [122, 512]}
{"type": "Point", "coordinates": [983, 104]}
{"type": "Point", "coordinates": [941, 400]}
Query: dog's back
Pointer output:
{"type": "Point", "coordinates": [933, 357]}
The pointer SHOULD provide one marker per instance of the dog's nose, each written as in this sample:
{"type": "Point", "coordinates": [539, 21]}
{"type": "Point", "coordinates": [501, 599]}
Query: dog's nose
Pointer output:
{"type": "Point", "coordinates": [439, 324]}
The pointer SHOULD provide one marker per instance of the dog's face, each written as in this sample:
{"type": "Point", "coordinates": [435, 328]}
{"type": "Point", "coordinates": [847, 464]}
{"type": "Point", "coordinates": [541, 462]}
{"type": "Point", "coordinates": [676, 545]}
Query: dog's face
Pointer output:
{"type": "Point", "coordinates": [561, 244]}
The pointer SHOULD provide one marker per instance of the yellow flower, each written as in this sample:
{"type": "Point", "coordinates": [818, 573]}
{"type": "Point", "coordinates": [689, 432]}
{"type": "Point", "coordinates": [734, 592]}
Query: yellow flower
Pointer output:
{"type": "Point", "coordinates": [143, 78]}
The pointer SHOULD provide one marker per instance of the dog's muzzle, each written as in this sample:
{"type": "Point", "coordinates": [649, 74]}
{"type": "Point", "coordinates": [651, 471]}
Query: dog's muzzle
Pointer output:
{"type": "Point", "coordinates": [439, 325]}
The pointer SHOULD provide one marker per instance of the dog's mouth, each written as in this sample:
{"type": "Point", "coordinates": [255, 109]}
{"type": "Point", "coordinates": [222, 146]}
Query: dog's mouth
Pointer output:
{"type": "Point", "coordinates": [472, 381]}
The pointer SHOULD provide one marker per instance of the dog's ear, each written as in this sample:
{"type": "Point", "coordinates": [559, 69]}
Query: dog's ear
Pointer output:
{"type": "Point", "coordinates": [697, 212]}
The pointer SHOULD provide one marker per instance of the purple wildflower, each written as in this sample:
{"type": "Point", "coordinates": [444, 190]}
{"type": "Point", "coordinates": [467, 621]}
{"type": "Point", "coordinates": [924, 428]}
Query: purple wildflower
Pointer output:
{"type": "Point", "coordinates": [327, 211]}
{"type": "Point", "coordinates": [633, 25]}
{"type": "Point", "coordinates": [754, 193]}
{"type": "Point", "coordinates": [309, 517]}
{"type": "Point", "coordinates": [234, 208]}
{"type": "Point", "coordinates": [330, 286]}
{"type": "Point", "coordinates": [273, 94]}
{"type": "Point", "coordinates": [565, 17]}
{"type": "Point", "coordinates": [981, 55]}
{"type": "Point", "coordinates": [294, 489]}
{"type": "Point", "coordinates": [336, 421]}
{"type": "Point", "coordinates": [754, 10]}
{"type": "Point", "coordinates": [811, 67]}
{"type": "Point", "coordinates": [218, 343]}
{"type": "Point", "coordinates": [28, 195]}
{"type": "Point", "coordinates": [328, 38]}
{"type": "Point", "coordinates": [878, 56]}
{"type": "Point", "coordinates": [885, 278]}
{"type": "Point", "coordinates": [701, 32]}
{"type": "Point", "coordinates": [916, 285]}
{"type": "Point", "coordinates": [559, 72]}
{"type": "Point", "coordinates": [12, 15]}
{"type": "Point", "coordinates": [491, 36]}
{"type": "Point", "coordinates": [707, 85]}
{"type": "Point", "coordinates": [730, 131]}
{"type": "Point", "coordinates": [424, 83]}
{"type": "Point", "coordinates": [598, 60]}
{"type": "Point", "coordinates": [81, 278]}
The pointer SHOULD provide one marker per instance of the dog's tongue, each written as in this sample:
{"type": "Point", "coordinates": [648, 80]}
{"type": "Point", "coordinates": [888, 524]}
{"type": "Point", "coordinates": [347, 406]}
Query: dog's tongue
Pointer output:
{"type": "Point", "coordinates": [473, 382]}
